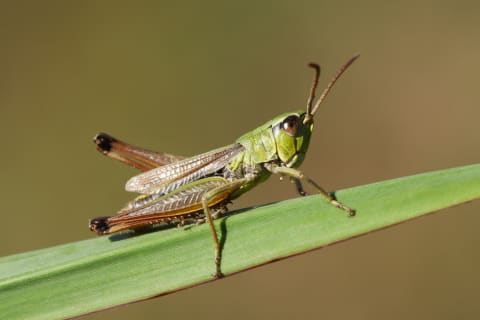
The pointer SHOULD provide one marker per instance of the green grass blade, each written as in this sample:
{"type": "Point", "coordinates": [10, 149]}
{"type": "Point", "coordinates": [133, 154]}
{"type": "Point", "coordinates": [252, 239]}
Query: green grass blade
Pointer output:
{"type": "Point", "coordinates": [82, 277]}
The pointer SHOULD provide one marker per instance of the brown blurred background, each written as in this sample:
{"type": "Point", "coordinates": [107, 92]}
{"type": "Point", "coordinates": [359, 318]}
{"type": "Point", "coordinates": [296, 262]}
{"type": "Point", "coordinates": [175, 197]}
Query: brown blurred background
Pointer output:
{"type": "Point", "coordinates": [188, 77]}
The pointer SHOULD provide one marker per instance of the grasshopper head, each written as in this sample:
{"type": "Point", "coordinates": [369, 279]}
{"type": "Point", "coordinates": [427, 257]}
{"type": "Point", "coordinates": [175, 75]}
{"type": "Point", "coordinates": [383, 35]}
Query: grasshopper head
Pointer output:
{"type": "Point", "coordinates": [292, 130]}
{"type": "Point", "coordinates": [292, 136]}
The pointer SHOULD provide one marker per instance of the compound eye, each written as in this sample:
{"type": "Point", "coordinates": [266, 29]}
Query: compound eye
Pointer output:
{"type": "Point", "coordinates": [290, 125]}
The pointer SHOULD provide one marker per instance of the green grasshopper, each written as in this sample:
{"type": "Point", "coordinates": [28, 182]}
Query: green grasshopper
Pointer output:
{"type": "Point", "coordinates": [182, 190]}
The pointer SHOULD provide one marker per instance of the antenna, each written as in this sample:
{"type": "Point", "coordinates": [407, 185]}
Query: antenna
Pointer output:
{"type": "Point", "coordinates": [311, 111]}
{"type": "Point", "coordinates": [314, 87]}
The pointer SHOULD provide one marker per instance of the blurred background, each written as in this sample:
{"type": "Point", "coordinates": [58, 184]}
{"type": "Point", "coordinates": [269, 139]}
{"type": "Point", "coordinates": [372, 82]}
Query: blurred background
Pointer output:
{"type": "Point", "coordinates": [191, 76]}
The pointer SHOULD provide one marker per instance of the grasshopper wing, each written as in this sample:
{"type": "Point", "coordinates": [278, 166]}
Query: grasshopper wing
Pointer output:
{"type": "Point", "coordinates": [169, 177]}
{"type": "Point", "coordinates": [176, 206]}
{"type": "Point", "coordinates": [139, 158]}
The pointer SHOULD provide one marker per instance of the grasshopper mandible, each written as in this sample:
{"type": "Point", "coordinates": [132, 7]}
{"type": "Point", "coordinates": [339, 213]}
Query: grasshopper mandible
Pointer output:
{"type": "Point", "coordinates": [181, 190]}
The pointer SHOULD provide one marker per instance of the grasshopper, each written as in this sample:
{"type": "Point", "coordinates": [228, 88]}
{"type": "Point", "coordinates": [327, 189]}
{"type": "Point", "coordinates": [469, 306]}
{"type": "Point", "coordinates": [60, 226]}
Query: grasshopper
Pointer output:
{"type": "Point", "coordinates": [180, 190]}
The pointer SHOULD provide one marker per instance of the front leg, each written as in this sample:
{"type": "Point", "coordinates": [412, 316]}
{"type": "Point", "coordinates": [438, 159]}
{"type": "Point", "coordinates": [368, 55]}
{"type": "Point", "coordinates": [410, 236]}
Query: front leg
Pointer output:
{"type": "Point", "coordinates": [298, 186]}
{"type": "Point", "coordinates": [299, 176]}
